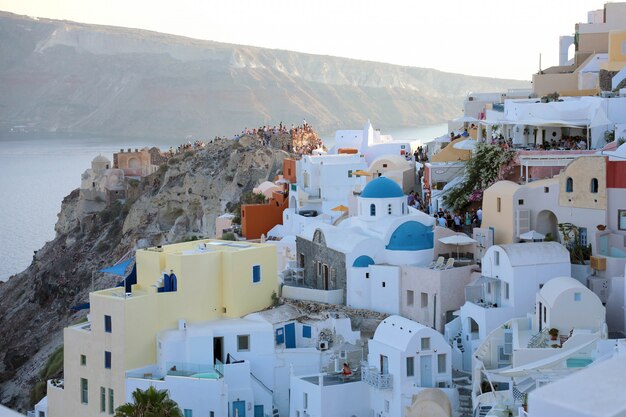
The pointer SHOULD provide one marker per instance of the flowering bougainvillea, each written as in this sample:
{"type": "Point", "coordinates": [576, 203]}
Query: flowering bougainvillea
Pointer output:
{"type": "Point", "coordinates": [483, 169]}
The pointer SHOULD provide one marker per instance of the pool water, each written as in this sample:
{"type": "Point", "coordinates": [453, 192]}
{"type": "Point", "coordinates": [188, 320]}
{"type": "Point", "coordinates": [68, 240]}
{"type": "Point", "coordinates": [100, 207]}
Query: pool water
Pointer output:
{"type": "Point", "coordinates": [578, 362]}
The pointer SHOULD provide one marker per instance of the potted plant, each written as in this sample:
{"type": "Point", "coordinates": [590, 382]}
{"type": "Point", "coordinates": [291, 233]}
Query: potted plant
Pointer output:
{"type": "Point", "coordinates": [554, 333]}
{"type": "Point", "coordinates": [525, 401]}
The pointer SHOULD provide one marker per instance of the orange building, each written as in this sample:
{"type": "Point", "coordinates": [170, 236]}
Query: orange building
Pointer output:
{"type": "Point", "coordinates": [289, 170]}
{"type": "Point", "coordinates": [258, 219]}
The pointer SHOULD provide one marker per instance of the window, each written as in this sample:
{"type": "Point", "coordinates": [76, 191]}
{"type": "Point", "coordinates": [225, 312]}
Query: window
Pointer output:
{"type": "Point", "coordinates": [577, 296]}
{"type": "Point", "coordinates": [425, 343]}
{"type": "Point", "coordinates": [83, 360]}
{"type": "Point", "coordinates": [498, 204]}
{"type": "Point", "coordinates": [103, 399]}
{"type": "Point", "coordinates": [386, 406]}
{"type": "Point", "coordinates": [623, 47]}
{"type": "Point", "coordinates": [546, 189]}
{"type": "Point", "coordinates": [384, 284]}
{"type": "Point", "coordinates": [111, 402]}
{"type": "Point", "coordinates": [569, 185]}
{"type": "Point", "coordinates": [582, 235]}
{"type": "Point", "coordinates": [520, 202]}
{"type": "Point", "coordinates": [84, 391]}
{"type": "Point", "coordinates": [211, 413]}
{"type": "Point", "coordinates": [424, 300]}
{"type": "Point", "coordinates": [367, 275]}
{"type": "Point", "coordinates": [402, 208]}
{"type": "Point", "coordinates": [489, 288]}
{"type": "Point", "coordinates": [506, 290]}
{"type": "Point", "coordinates": [496, 257]}
{"type": "Point", "coordinates": [621, 219]}
{"type": "Point", "coordinates": [410, 366]}
{"type": "Point", "coordinates": [319, 269]}
{"type": "Point", "coordinates": [594, 185]}
{"type": "Point", "coordinates": [187, 413]}
{"type": "Point", "coordinates": [388, 208]}
{"type": "Point", "coordinates": [545, 314]}
{"type": "Point", "coordinates": [256, 273]}
{"type": "Point", "coordinates": [107, 324]}
{"type": "Point", "coordinates": [305, 400]}
{"type": "Point", "coordinates": [372, 209]}
{"type": "Point", "coordinates": [410, 295]}
{"type": "Point", "coordinates": [243, 343]}
{"type": "Point", "coordinates": [441, 363]}
{"type": "Point", "coordinates": [107, 360]}
{"type": "Point", "coordinates": [306, 332]}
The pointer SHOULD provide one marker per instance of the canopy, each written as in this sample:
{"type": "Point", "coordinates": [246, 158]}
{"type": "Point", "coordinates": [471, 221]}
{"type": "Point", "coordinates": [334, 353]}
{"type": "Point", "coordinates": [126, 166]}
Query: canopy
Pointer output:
{"type": "Point", "coordinates": [457, 240]}
{"type": "Point", "coordinates": [532, 235]}
{"type": "Point", "coordinates": [282, 181]}
{"type": "Point", "coordinates": [340, 207]}
{"type": "Point", "coordinates": [119, 269]}
{"type": "Point", "coordinates": [467, 144]}
{"type": "Point", "coordinates": [360, 172]}
{"type": "Point", "coordinates": [465, 119]}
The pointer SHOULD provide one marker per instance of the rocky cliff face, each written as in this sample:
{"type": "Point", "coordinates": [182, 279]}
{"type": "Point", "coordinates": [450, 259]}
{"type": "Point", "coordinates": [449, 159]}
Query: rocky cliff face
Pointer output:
{"type": "Point", "coordinates": [180, 201]}
{"type": "Point", "coordinates": [71, 77]}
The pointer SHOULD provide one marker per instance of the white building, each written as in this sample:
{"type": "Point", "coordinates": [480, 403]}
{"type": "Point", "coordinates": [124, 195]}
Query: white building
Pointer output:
{"type": "Point", "coordinates": [511, 276]}
{"type": "Point", "coordinates": [560, 338]}
{"type": "Point", "coordinates": [370, 143]}
{"type": "Point", "coordinates": [405, 358]}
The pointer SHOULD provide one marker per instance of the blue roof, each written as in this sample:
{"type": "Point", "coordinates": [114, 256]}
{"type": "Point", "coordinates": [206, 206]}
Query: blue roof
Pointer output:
{"type": "Point", "coordinates": [362, 261]}
{"type": "Point", "coordinates": [382, 187]}
{"type": "Point", "coordinates": [411, 235]}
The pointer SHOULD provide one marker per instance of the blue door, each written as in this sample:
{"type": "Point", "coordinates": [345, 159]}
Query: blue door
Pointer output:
{"type": "Point", "coordinates": [426, 371]}
{"type": "Point", "coordinates": [258, 411]}
{"type": "Point", "coordinates": [290, 335]}
{"type": "Point", "coordinates": [239, 409]}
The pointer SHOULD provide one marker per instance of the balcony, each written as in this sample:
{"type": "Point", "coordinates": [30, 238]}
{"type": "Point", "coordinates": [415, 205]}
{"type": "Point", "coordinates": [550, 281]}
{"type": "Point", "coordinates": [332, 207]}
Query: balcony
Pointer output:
{"type": "Point", "coordinates": [178, 369]}
{"type": "Point", "coordinates": [373, 377]}
{"type": "Point", "coordinates": [327, 379]}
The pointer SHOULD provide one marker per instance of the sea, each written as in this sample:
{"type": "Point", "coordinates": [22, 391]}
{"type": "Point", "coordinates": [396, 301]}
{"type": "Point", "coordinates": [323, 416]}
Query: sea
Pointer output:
{"type": "Point", "coordinates": [39, 171]}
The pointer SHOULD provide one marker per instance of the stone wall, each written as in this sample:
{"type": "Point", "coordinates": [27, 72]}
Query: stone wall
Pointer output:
{"type": "Point", "coordinates": [315, 253]}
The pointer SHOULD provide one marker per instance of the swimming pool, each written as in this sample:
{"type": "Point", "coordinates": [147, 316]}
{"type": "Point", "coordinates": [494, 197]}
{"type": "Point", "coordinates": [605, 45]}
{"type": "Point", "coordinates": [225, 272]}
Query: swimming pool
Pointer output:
{"type": "Point", "coordinates": [578, 362]}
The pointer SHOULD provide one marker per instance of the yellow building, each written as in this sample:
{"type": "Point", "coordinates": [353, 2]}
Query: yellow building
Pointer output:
{"type": "Point", "coordinates": [617, 51]}
{"type": "Point", "coordinates": [214, 279]}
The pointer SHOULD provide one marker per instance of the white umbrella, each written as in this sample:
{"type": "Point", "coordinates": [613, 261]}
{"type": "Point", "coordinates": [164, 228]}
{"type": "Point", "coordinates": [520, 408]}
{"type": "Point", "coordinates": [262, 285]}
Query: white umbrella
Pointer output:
{"type": "Point", "coordinates": [532, 235]}
{"type": "Point", "coordinates": [458, 240]}
{"type": "Point", "coordinates": [467, 144]}
{"type": "Point", "coordinates": [282, 181]}
{"type": "Point", "coordinates": [466, 119]}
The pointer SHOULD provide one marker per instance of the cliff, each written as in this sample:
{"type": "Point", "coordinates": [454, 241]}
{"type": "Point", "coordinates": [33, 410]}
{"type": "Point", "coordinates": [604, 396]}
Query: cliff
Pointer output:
{"type": "Point", "coordinates": [70, 77]}
{"type": "Point", "coordinates": [178, 202]}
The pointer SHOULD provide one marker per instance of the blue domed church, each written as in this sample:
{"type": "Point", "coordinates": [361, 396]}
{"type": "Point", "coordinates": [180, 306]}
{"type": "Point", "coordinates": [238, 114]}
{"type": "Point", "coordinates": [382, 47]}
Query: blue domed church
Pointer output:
{"type": "Point", "coordinates": [362, 255]}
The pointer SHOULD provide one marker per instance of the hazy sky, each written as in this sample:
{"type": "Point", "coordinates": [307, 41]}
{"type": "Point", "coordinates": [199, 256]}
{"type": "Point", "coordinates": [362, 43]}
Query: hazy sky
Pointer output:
{"type": "Point", "coordinates": [500, 38]}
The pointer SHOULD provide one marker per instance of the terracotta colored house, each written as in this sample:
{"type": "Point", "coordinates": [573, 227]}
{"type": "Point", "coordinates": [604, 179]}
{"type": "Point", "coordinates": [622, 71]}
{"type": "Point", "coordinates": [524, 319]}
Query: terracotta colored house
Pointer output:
{"type": "Point", "coordinates": [258, 219]}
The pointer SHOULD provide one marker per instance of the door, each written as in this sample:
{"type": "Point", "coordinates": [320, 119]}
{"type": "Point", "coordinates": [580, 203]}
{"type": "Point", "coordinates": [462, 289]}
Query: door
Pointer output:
{"type": "Point", "coordinates": [258, 411]}
{"type": "Point", "coordinates": [218, 349]}
{"type": "Point", "coordinates": [384, 365]}
{"type": "Point", "coordinates": [290, 335]}
{"type": "Point", "coordinates": [426, 371]}
{"type": "Point", "coordinates": [239, 409]}
{"type": "Point", "coordinates": [540, 317]}
{"type": "Point", "coordinates": [325, 276]}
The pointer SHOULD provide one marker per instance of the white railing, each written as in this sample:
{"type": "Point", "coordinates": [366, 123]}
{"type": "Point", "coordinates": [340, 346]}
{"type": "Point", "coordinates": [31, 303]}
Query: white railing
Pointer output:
{"type": "Point", "coordinates": [374, 378]}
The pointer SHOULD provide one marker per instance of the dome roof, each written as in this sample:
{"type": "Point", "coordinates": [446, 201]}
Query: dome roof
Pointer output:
{"type": "Point", "coordinates": [102, 159]}
{"type": "Point", "coordinates": [382, 187]}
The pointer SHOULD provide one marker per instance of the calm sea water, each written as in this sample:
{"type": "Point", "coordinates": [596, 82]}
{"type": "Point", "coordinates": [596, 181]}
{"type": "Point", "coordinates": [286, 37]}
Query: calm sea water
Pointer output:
{"type": "Point", "coordinates": [39, 172]}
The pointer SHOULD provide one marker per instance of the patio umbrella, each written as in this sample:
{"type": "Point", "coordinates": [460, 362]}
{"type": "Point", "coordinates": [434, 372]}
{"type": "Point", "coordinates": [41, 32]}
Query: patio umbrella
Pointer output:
{"type": "Point", "coordinates": [532, 235]}
{"type": "Point", "coordinates": [340, 207]}
{"type": "Point", "coordinates": [457, 240]}
{"type": "Point", "coordinates": [360, 172]}
{"type": "Point", "coordinates": [467, 144]}
{"type": "Point", "coordinates": [282, 181]}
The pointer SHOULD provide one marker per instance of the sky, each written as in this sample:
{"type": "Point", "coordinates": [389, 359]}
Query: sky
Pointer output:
{"type": "Point", "coordinates": [492, 38]}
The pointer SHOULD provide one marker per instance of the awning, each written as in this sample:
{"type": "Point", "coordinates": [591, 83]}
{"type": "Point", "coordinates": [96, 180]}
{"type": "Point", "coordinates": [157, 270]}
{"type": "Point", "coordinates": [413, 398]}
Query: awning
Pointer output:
{"type": "Point", "coordinates": [119, 269]}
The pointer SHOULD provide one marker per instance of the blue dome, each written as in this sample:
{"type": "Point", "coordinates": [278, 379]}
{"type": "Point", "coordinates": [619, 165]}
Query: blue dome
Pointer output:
{"type": "Point", "coordinates": [382, 187]}
{"type": "Point", "coordinates": [411, 235]}
{"type": "Point", "coordinates": [363, 261]}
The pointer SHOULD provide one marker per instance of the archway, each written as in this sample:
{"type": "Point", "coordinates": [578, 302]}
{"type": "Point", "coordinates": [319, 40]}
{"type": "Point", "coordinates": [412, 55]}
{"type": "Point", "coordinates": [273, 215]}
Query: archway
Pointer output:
{"type": "Point", "coordinates": [547, 222]}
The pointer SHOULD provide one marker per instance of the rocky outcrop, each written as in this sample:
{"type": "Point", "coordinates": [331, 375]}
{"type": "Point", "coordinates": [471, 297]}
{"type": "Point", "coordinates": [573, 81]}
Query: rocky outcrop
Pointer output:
{"type": "Point", "coordinates": [178, 202]}
{"type": "Point", "coordinates": [70, 77]}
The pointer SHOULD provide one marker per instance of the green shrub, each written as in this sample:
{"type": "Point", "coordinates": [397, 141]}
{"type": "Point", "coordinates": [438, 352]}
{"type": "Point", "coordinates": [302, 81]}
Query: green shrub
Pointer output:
{"type": "Point", "coordinates": [228, 236]}
{"type": "Point", "coordinates": [52, 368]}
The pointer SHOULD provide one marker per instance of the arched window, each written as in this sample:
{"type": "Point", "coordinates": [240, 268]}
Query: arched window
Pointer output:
{"type": "Point", "coordinates": [569, 185]}
{"type": "Point", "coordinates": [372, 209]}
{"type": "Point", "coordinates": [594, 185]}
{"type": "Point", "coordinates": [388, 208]}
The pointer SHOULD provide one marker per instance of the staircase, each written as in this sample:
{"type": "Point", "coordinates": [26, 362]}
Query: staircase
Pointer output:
{"type": "Point", "coordinates": [465, 402]}
{"type": "Point", "coordinates": [275, 411]}
{"type": "Point", "coordinates": [539, 340]}
{"type": "Point", "coordinates": [483, 410]}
